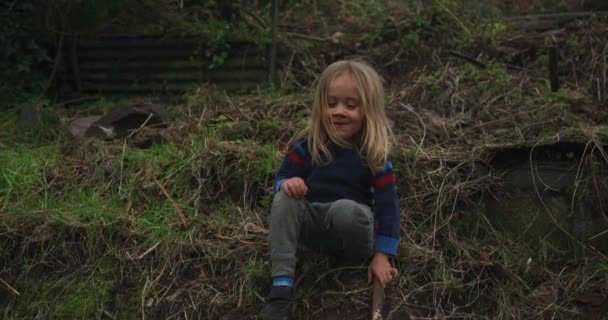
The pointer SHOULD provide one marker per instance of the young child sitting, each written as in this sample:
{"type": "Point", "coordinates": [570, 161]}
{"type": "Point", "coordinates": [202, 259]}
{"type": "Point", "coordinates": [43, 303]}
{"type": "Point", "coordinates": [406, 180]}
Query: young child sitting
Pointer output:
{"type": "Point", "coordinates": [336, 187]}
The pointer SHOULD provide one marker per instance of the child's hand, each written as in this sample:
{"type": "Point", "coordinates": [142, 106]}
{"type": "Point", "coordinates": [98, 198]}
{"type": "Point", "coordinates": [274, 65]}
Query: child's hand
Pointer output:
{"type": "Point", "coordinates": [381, 268]}
{"type": "Point", "coordinates": [294, 187]}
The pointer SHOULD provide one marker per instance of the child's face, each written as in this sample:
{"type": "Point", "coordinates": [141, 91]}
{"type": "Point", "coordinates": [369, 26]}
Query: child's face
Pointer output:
{"type": "Point", "coordinates": [344, 110]}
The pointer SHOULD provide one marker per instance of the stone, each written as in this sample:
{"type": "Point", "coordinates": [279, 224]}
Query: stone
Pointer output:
{"type": "Point", "coordinates": [79, 126]}
{"type": "Point", "coordinates": [122, 121]}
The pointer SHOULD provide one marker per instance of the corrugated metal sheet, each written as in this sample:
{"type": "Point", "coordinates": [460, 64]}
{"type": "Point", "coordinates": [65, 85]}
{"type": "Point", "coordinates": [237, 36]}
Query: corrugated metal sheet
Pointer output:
{"type": "Point", "coordinates": [155, 65]}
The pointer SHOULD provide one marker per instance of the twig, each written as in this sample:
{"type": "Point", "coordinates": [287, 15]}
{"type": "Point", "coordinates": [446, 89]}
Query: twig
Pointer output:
{"type": "Point", "coordinates": [571, 15]}
{"type": "Point", "coordinates": [406, 107]}
{"type": "Point", "coordinates": [299, 280]}
{"type": "Point", "coordinates": [454, 17]}
{"type": "Point", "coordinates": [305, 37]}
{"type": "Point", "coordinates": [273, 51]}
{"type": "Point", "coordinates": [257, 18]}
{"type": "Point", "coordinates": [75, 100]}
{"type": "Point", "coordinates": [143, 300]}
{"type": "Point", "coordinates": [201, 118]}
{"type": "Point", "coordinates": [229, 253]}
{"type": "Point", "coordinates": [240, 302]}
{"type": "Point", "coordinates": [471, 60]}
{"type": "Point", "coordinates": [9, 287]}
{"type": "Point", "coordinates": [345, 293]}
{"type": "Point", "coordinates": [597, 235]}
{"type": "Point", "coordinates": [122, 161]}
{"type": "Point", "coordinates": [469, 129]}
{"type": "Point", "coordinates": [553, 77]}
{"type": "Point", "coordinates": [148, 251]}
{"type": "Point", "coordinates": [179, 212]}
{"type": "Point", "coordinates": [234, 106]}
{"type": "Point", "coordinates": [287, 69]}
{"type": "Point", "coordinates": [107, 313]}
{"type": "Point", "coordinates": [55, 64]}
{"type": "Point", "coordinates": [334, 270]}
{"type": "Point", "coordinates": [377, 300]}
{"type": "Point", "coordinates": [142, 125]}
{"type": "Point", "coordinates": [604, 74]}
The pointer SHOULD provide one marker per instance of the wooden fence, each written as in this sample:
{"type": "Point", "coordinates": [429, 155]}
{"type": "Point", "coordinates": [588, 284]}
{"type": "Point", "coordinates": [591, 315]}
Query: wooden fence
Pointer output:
{"type": "Point", "coordinates": [146, 65]}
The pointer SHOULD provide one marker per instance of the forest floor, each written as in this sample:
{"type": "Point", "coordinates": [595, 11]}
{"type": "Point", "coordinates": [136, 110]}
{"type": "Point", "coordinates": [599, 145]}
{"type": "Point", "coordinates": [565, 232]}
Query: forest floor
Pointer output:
{"type": "Point", "coordinates": [168, 221]}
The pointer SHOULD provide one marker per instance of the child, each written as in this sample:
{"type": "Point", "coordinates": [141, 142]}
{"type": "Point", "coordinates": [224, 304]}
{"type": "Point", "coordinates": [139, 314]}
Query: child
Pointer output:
{"type": "Point", "coordinates": [331, 178]}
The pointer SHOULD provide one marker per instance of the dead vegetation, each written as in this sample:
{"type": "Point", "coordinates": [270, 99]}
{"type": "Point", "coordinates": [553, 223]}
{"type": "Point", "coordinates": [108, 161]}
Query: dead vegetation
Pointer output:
{"type": "Point", "coordinates": [100, 228]}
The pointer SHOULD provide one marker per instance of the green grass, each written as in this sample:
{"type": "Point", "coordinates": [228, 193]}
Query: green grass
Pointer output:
{"type": "Point", "coordinates": [79, 207]}
{"type": "Point", "coordinates": [24, 169]}
{"type": "Point", "coordinates": [602, 133]}
{"type": "Point", "coordinates": [86, 293]}
{"type": "Point", "coordinates": [574, 134]}
{"type": "Point", "coordinates": [117, 211]}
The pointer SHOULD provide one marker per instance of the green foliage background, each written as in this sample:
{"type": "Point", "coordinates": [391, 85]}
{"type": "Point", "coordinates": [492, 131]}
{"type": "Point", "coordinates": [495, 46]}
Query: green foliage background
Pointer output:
{"type": "Point", "coordinates": [22, 54]}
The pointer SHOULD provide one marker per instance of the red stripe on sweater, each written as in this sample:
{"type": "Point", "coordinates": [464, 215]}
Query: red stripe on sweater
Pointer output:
{"type": "Point", "coordinates": [295, 158]}
{"type": "Point", "coordinates": [384, 180]}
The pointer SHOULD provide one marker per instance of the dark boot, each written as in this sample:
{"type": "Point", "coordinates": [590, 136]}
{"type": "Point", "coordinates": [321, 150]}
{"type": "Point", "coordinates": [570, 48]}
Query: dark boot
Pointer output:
{"type": "Point", "coordinates": [279, 304]}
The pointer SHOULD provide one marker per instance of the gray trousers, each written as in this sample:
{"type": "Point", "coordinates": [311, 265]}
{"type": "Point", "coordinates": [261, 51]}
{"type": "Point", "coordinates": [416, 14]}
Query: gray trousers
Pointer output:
{"type": "Point", "coordinates": [342, 227]}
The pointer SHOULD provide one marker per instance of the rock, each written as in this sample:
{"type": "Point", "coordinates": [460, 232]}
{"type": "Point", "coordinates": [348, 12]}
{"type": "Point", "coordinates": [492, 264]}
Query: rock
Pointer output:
{"type": "Point", "coordinates": [30, 117]}
{"type": "Point", "coordinates": [120, 122]}
{"type": "Point", "coordinates": [146, 137]}
{"type": "Point", "coordinates": [544, 295]}
{"type": "Point", "coordinates": [79, 126]}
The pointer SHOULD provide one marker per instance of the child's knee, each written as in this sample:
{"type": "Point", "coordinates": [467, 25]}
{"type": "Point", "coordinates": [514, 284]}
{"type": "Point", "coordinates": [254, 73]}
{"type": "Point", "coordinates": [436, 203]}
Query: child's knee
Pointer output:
{"type": "Point", "coordinates": [284, 206]}
{"type": "Point", "coordinates": [352, 226]}
{"type": "Point", "coordinates": [348, 215]}
{"type": "Point", "coordinates": [281, 199]}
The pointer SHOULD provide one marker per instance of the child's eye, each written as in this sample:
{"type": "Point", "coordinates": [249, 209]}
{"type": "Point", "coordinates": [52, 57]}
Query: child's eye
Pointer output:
{"type": "Point", "coordinates": [331, 104]}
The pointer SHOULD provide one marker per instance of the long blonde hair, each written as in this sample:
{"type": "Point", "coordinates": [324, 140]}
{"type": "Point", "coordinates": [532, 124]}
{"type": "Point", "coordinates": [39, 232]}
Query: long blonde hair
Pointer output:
{"type": "Point", "coordinates": [376, 135]}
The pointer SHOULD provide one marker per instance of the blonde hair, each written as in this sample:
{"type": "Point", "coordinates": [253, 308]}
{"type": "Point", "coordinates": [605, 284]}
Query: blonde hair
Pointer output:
{"type": "Point", "coordinates": [376, 136]}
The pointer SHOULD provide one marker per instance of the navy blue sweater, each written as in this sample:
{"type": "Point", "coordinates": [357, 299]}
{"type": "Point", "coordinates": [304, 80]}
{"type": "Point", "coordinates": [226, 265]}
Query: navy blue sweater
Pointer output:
{"type": "Point", "coordinates": [347, 177]}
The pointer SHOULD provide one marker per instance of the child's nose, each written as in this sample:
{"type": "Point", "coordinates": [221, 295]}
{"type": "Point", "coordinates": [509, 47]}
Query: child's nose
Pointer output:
{"type": "Point", "coordinates": [340, 109]}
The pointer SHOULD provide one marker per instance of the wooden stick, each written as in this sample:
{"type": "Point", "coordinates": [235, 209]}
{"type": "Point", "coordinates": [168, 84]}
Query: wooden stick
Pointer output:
{"type": "Point", "coordinates": [179, 212]}
{"type": "Point", "coordinates": [377, 300]}
{"type": "Point", "coordinates": [570, 15]}
{"type": "Point", "coordinates": [272, 73]}
{"type": "Point", "coordinates": [553, 77]}
{"type": "Point", "coordinates": [8, 286]}
{"type": "Point", "coordinates": [240, 302]}
{"type": "Point", "coordinates": [58, 55]}
{"type": "Point", "coordinates": [148, 251]}
{"type": "Point", "coordinates": [471, 60]}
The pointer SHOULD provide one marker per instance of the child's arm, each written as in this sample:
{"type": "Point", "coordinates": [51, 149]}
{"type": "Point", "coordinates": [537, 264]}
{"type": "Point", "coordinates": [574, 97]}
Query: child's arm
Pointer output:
{"type": "Point", "coordinates": [386, 206]}
{"type": "Point", "coordinates": [294, 170]}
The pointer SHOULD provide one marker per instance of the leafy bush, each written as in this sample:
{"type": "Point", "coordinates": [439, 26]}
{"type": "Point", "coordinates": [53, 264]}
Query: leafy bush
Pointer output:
{"type": "Point", "coordinates": [21, 54]}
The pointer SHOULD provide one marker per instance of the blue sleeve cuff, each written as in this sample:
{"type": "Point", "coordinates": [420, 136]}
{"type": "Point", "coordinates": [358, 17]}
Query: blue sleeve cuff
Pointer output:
{"type": "Point", "coordinates": [387, 245]}
{"type": "Point", "coordinates": [277, 185]}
